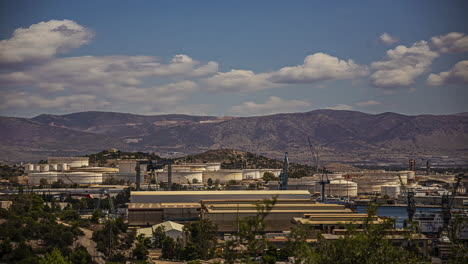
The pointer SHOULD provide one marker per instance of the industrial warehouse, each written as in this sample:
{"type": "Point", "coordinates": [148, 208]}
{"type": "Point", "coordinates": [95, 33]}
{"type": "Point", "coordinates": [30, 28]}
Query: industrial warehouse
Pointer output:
{"type": "Point", "coordinates": [173, 195]}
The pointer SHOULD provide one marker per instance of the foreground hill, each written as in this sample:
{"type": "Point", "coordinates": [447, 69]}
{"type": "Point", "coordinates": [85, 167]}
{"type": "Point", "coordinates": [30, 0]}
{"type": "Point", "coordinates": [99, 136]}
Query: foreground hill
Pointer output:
{"type": "Point", "coordinates": [344, 135]}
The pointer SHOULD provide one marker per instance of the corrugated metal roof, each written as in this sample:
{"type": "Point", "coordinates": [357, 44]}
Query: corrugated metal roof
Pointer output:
{"type": "Point", "coordinates": [243, 192]}
{"type": "Point", "coordinates": [162, 205]}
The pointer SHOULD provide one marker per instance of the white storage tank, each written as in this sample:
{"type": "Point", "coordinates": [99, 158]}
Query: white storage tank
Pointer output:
{"type": "Point", "coordinates": [29, 168]}
{"type": "Point", "coordinates": [339, 188]}
{"type": "Point", "coordinates": [213, 166]}
{"type": "Point", "coordinates": [53, 167]}
{"type": "Point", "coordinates": [223, 175]}
{"type": "Point", "coordinates": [44, 167]}
{"type": "Point", "coordinates": [74, 162]}
{"type": "Point", "coordinates": [251, 175]}
{"type": "Point", "coordinates": [35, 178]}
{"type": "Point", "coordinates": [82, 178]}
{"type": "Point", "coordinates": [411, 175]}
{"type": "Point", "coordinates": [37, 167]}
{"type": "Point", "coordinates": [62, 167]}
{"type": "Point", "coordinates": [181, 177]}
{"type": "Point", "coordinates": [391, 191]}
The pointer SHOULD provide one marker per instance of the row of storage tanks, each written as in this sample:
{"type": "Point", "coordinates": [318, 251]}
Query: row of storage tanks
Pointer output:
{"type": "Point", "coordinates": [184, 173]}
{"type": "Point", "coordinates": [28, 168]}
{"type": "Point", "coordinates": [385, 183]}
{"type": "Point", "coordinates": [70, 170]}
{"type": "Point", "coordinates": [82, 178]}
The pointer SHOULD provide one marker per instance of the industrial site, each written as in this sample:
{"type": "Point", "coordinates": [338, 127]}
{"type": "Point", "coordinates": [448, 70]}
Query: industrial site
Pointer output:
{"type": "Point", "coordinates": [173, 193]}
{"type": "Point", "coordinates": [234, 132]}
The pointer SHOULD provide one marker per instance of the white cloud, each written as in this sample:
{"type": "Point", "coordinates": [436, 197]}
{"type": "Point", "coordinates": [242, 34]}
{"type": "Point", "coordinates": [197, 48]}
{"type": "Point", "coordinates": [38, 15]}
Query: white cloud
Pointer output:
{"type": "Point", "coordinates": [388, 39]}
{"type": "Point", "coordinates": [238, 80]}
{"type": "Point", "coordinates": [453, 42]}
{"type": "Point", "coordinates": [368, 103]}
{"type": "Point", "coordinates": [319, 67]}
{"type": "Point", "coordinates": [457, 75]}
{"type": "Point", "coordinates": [43, 41]}
{"type": "Point", "coordinates": [402, 66]}
{"type": "Point", "coordinates": [88, 73]}
{"type": "Point", "coordinates": [341, 107]}
{"type": "Point", "coordinates": [273, 105]}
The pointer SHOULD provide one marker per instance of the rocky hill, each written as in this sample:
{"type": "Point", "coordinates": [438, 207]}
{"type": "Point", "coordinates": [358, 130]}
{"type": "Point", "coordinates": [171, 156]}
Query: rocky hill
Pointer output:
{"type": "Point", "coordinates": [344, 135]}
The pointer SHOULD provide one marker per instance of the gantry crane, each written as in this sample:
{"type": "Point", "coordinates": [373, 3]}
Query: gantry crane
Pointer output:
{"type": "Point", "coordinates": [151, 166]}
{"type": "Point", "coordinates": [447, 201]}
{"type": "Point", "coordinates": [411, 204]}
{"type": "Point", "coordinates": [283, 177]}
{"type": "Point", "coordinates": [314, 150]}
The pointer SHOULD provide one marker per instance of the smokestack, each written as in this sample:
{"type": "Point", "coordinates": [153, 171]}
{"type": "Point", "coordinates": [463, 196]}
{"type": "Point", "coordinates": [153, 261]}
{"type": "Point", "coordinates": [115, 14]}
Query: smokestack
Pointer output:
{"type": "Point", "coordinates": [169, 176]}
{"type": "Point", "coordinates": [412, 165]}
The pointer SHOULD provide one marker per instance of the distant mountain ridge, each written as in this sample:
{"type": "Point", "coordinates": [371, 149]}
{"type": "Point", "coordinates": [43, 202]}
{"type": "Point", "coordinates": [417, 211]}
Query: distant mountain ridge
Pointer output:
{"type": "Point", "coordinates": [344, 135]}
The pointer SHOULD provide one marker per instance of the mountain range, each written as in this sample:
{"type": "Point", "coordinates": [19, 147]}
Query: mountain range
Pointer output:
{"type": "Point", "coordinates": [344, 136]}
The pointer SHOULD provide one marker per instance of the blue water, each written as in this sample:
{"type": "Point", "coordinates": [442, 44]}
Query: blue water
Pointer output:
{"type": "Point", "coordinates": [397, 212]}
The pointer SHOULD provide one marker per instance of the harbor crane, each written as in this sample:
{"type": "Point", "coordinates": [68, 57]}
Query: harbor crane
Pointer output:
{"type": "Point", "coordinates": [447, 201]}
{"type": "Point", "coordinates": [314, 150]}
{"type": "Point", "coordinates": [411, 203]}
{"type": "Point", "coordinates": [151, 166]}
{"type": "Point", "coordinates": [283, 177]}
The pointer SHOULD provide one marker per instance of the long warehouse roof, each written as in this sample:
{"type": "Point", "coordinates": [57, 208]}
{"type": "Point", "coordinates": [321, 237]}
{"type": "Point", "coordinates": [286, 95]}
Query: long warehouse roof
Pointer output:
{"type": "Point", "coordinates": [259, 192]}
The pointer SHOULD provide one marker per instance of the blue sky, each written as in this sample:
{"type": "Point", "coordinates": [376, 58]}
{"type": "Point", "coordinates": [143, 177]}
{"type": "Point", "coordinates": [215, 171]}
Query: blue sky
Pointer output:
{"type": "Point", "coordinates": [238, 58]}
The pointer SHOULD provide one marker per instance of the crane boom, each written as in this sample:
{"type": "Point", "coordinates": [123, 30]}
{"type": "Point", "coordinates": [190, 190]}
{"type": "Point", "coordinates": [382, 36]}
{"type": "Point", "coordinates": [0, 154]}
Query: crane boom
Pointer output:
{"type": "Point", "coordinates": [411, 203]}
{"type": "Point", "coordinates": [447, 201]}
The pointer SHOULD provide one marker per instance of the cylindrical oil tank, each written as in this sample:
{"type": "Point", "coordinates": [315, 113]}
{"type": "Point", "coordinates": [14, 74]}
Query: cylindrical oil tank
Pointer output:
{"type": "Point", "coordinates": [391, 191]}
{"type": "Point", "coordinates": [223, 175]}
{"type": "Point", "coordinates": [367, 185]}
{"type": "Point", "coordinates": [339, 188]}
{"type": "Point", "coordinates": [411, 175]}
{"type": "Point", "coordinates": [62, 167]}
{"type": "Point", "coordinates": [97, 169]}
{"type": "Point", "coordinates": [82, 178]}
{"type": "Point", "coordinates": [74, 162]}
{"type": "Point", "coordinates": [251, 175]}
{"type": "Point", "coordinates": [44, 167]}
{"type": "Point", "coordinates": [181, 177]}
{"type": "Point", "coordinates": [53, 167]}
{"type": "Point", "coordinates": [213, 166]}
{"type": "Point", "coordinates": [35, 178]}
{"type": "Point", "coordinates": [37, 167]}
{"type": "Point", "coordinates": [29, 168]}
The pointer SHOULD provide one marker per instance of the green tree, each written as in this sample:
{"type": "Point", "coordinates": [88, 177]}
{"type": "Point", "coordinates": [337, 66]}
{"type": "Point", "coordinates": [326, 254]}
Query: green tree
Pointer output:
{"type": "Point", "coordinates": [97, 214]}
{"type": "Point", "coordinates": [269, 176]}
{"type": "Point", "coordinates": [252, 241]}
{"type": "Point", "coordinates": [209, 182]}
{"type": "Point", "coordinates": [200, 240]}
{"type": "Point", "coordinates": [80, 256]}
{"type": "Point", "coordinates": [216, 182]}
{"type": "Point", "coordinates": [169, 248]}
{"type": "Point", "coordinates": [158, 236]}
{"type": "Point", "coordinates": [55, 257]}
{"type": "Point", "coordinates": [140, 252]}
